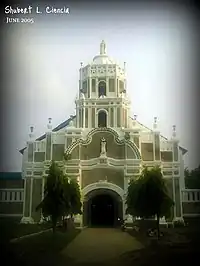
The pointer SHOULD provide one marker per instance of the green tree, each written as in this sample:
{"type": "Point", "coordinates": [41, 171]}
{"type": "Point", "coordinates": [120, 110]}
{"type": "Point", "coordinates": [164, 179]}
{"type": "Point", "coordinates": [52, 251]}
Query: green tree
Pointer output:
{"type": "Point", "coordinates": [73, 193]}
{"type": "Point", "coordinates": [147, 196]}
{"type": "Point", "coordinates": [75, 198]}
{"type": "Point", "coordinates": [66, 191]}
{"type": "Point", "coordinates": [53, 203]}
{"type": "Point", "coordinates": [192, 178]}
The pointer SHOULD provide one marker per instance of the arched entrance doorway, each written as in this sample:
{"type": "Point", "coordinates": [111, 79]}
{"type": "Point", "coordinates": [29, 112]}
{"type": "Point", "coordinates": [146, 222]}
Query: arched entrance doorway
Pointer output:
{"type": "Point", "coordinates": [102, 208]}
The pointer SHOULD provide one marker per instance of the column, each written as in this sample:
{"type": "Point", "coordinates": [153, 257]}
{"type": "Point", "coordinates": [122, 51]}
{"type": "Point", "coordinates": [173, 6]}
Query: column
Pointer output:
{"type": "Point", "coordinates": [115, 116]}
{"type": "Point", "coordinates": [83, 115]}
{"type": "Point", "coordinates": [43, 185]}
{"type": "Point", "coordinates": [31, 199]}
{"type": "Point", "coordinates": [97, 88]}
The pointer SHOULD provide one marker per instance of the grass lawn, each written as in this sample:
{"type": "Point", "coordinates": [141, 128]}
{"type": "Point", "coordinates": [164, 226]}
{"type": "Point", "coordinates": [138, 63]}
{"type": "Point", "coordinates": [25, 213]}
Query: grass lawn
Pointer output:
{"type": "Point", "coordinates": [11, 228]}
{"type": "Point", "coordinates": [43, 249]}
{"type": "Point", "coordinates": [179, 245]}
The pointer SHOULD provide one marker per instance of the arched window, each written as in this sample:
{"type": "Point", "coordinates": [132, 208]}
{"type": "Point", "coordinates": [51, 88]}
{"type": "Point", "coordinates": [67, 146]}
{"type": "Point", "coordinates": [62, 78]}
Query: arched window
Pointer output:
{"type": "Point", "coordinates": [102, 119]}
{"type": "Point", "coordinates": [102, 88]}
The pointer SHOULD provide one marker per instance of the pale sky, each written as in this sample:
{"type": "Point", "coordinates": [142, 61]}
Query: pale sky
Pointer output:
{"type": "Point", "coordinates": [43, 60]}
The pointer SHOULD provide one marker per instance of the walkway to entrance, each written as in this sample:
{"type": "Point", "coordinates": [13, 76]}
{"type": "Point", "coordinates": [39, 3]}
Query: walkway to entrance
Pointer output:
{"type": "Point", "coordinates": [99, 245]}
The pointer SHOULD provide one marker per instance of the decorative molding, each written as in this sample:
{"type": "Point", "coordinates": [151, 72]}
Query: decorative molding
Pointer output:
{"type": "Point", "coordinates": [190, 195]}
{"type": "Point", "coordinates": [105, 185]}
{"type": "Point", "coordinates": [12, 195]}
{"type": "Point", "coordinates": [102, 110]}
{"type": "Point", "coordinates": [110, 130]}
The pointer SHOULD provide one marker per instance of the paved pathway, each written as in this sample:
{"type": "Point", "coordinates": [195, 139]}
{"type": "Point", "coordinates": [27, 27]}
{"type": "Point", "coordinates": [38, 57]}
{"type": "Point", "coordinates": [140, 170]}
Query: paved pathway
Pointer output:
{"type": "Point", "coordinates": [99, 245]}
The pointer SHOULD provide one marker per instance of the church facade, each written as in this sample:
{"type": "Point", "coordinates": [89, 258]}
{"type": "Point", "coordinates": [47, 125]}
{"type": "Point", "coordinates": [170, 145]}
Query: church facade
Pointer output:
{"type": "Point", "coordinates": [104, 146]}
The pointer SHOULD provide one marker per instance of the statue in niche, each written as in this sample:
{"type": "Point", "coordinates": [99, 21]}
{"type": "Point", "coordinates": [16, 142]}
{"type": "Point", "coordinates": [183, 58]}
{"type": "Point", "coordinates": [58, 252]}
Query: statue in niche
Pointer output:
{"type": "Point", "coordinates": [103, 146]}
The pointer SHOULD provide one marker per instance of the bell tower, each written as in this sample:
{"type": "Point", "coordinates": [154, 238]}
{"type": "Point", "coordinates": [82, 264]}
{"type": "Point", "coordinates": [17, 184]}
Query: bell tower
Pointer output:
{"type": "Point", "coordinates": [102, 100]}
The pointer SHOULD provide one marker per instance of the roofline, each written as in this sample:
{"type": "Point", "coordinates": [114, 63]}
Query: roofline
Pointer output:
{"type": "Point", "coordinates": [66, 122]}
{"type": "Point", "coordinates": [183, 149]}
{"type": "Point", "coordinates": [60, 126]}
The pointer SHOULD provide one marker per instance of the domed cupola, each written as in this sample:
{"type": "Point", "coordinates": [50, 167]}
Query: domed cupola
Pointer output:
{"type": "Point", "coordinates": [102, 100]}
{"type": "Point", "coordinates": [102, 58]}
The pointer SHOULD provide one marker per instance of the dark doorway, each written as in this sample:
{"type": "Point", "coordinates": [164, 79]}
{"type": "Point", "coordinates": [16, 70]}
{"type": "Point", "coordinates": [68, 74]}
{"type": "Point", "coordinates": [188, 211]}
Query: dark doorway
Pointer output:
{"type": "Point", "coordinates": [101, 208]}
{"type": "Point", "coordinates": [102, 211]}
{"type": "Point", "coordinates": [102, 119]}
{"type": "Point", "coordinates": [102, 88]}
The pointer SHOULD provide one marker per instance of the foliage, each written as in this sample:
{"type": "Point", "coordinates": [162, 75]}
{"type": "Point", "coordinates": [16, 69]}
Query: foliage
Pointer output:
{"type": "Point", "coordinates": [61, 196]}
{"type": "Point", "coordinates": [53, 203]}
{"type": "Point", "coordinates": [147, 196]}
{"type": "Point", "coordinates": [66, 194]}
{"type": "Point", "coordinates": [192, 178]}
{"type": "Point", "coordinates": [75, 198]}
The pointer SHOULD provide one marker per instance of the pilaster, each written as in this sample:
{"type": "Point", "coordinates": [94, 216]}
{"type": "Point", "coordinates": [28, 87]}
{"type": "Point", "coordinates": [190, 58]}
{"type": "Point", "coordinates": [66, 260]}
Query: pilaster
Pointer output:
{"type": "Point", "coordinates": [27, 205]}
{"type": "Point", "coordinates": [178, 208]}
{"type": "Point", "coordinates": [43, 187]}
{"type": "Point", "coordinates": [77, 116]}
{"type": "Point", "coordinates": [89, 117]}
{"type": "Point", "coordinates": [115, 116]}
{"type": "Point", "coordinates": [31, 198]}
{"type": "Point", "coordinates": [97, 88]}
{"type": "Point", "coordinates": [83, 114]}
{"type": "Point", "coordinates": [24, 198]}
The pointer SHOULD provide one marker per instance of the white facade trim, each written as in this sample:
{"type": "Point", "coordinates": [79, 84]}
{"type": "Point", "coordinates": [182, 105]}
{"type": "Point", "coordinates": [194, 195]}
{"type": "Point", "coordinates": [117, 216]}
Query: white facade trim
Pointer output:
{"type": "Point", "coordinates": [11, 189]}
{"type": "Point", "coordinates": [190, 190]}
{"type": "Point", "coordinates": [190, 195]}
{"type": "Point", "coordinates": [104, 185]}
{"type": "Point", "coordinates": [24, 198]}
{"type": "Point", "coordinates": [27, 220]}
{"type": "Point", "coordinates": [97, 116]}
{"type": "Point", "coordinates": [174, 198]}
{"type": "Point", "coordinates": [9, 195]}
{"type": "Point", "coordinates": [31, 198]}
{"type": "Point", "coordinates": [191, 214]}
{"type": "Point", "coordinates": [10, 215]}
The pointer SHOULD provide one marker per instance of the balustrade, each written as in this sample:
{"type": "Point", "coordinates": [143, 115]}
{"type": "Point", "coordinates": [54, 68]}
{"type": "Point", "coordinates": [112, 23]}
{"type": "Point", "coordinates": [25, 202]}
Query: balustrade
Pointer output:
{"type": "Point", "coordinates": [191, 195]}
{"type": "Point", "coordinates": [11, 195]}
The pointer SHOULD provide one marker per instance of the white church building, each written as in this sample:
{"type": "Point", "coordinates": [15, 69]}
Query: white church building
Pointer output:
{"type": "Point", "coordinates": [106, 147]}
